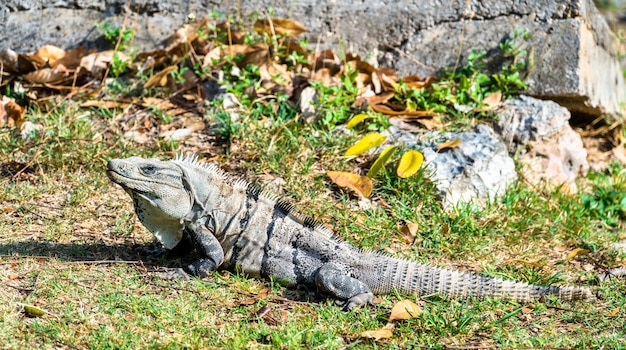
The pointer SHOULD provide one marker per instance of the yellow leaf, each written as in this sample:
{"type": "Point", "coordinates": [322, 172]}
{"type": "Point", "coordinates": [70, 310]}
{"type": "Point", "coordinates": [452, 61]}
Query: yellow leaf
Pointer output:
{"type": "Point", "coordinates": [613, 312]}
{"type": "Point", "coordinates": [368, 142]}
{"type": "Point", "coordinates": [356, 120]}
{"type": "Point", "coordinates": [536, 264]}
{"type": "Point", "coordinates": [404, 310]}
{"type": "Point", "coordinates": [378, 334]}
{"type": "Point", "coordinates": [382, 159]}
{"type": "Point", "coordinates": [33, 311]}
{"type": "Point", "coordinates": [448, 144]}
{"type": "Point", "coordinates": [576, 252]}
{"type": "Point", "coordinates": [362, 185]}
{"type": "Point", "coordinates": [410, 163]}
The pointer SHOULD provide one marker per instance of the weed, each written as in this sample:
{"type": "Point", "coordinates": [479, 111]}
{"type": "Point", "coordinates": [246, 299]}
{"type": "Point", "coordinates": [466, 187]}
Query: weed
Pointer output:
{"type": "Point", "coordinates": [113, 34]}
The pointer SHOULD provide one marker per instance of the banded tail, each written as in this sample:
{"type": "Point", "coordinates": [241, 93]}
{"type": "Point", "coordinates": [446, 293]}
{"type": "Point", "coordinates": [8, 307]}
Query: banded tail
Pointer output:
{"type": "Point", "coordinates": [389, 274]}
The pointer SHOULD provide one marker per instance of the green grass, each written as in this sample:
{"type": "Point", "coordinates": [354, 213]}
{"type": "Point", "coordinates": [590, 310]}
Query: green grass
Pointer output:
{"type": "Point", "coordinates": [70, 245]}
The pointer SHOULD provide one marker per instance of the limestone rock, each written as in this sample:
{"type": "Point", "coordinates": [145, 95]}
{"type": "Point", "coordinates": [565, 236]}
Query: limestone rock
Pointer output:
{"type": "Point", "coordinates": [539, 132]}
{"type": "Point", "coordinates": [478, 169]}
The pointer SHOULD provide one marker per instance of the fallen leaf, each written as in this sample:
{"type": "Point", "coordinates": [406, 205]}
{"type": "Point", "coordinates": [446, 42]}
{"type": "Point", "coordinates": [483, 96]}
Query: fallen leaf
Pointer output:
{"type": "Point", "coordinates": [105, 104]}
{"type": "Point", "coordinates": [414, 82]}
{"type": "Point", "coordinates": [362, 185]}
{"type": "Point", "coordinates": [366, 143]}
{"type": "Point", "coordinates": [490, 102]}
{"type": "Point", "coordinates": [382, 159]}
{"type": "Point", "coordinates": [380, 98]}
{"type": "Point", "coordinates": [14, 276]}
{"type": "Point", "coordinates": [279, 26]}
{"type": "Point", "coordinates": [71, 60]}
{"type": "Point", "coordinates": [99, 61]}
{"type": "Point", "coordinates": [160, 78]}
{"type": "Point", "coordinates": [410, 163]}
{"type": "Point", "coordinates": [577, 252]}
{"type": "Point", "coordinates": [354, 121]}
{"type": "Point", "coordinates": [404, 310]}
{"type": "Point", "coordinates": [448, 144]}
{"type": "Point", "coordinates": [33, 311]}
{"type": "Point", "coordinates": [50, 53]}
{"type": "Point", "coordinates": [613, 312]}
{"type": "Point", "coordinates": [382, 333]}
{"type": "Point", "coordinates": [536, 264]}
{"type": "Point", "coordinates": [46, 76]}
{"type": "Point", "coordinates": [387, 110]}
{"type": "Point", "coordinates": [409, 232]}
{"type": "Point", "coordinates": [11, 113]}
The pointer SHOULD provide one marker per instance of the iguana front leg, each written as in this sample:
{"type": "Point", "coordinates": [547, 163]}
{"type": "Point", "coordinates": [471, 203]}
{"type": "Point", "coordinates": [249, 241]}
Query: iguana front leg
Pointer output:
{"type": "Point", "coordinates": [209, 248]}
{"type": "Point", "coordinates": [348, 291]}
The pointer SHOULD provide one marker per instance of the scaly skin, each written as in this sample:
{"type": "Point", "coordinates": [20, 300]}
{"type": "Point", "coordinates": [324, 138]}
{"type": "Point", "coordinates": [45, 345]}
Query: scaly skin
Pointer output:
{"type": "Point", "coordinates": [234, 225]}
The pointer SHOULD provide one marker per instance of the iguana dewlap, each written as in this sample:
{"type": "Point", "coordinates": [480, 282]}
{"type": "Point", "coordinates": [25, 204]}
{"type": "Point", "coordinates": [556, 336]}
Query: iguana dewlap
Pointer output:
{"type": "Point", "coordinates": [233, 224]}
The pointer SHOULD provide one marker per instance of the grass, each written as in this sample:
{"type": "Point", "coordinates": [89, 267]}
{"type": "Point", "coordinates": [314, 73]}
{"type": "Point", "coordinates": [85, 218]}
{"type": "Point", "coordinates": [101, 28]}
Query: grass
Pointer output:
{"type": "Point", "coordinates": [70, 245]}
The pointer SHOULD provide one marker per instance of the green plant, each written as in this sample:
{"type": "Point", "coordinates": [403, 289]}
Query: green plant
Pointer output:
{"type": "Point", "coordinates": [113, 34]}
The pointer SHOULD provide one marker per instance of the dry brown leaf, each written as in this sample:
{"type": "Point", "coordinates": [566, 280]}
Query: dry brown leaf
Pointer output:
{"type": "Point", "coordinates": [362, 185]}
{"type": "Point", "coordinates": [279, 26]}
{"type": "Point", "coordinates": [613, 312]}
{"type": "Point", "coordinates": [278, 73]}
{"type": "Point", "coordinates": [9, 60]}
{"type": "Point", "coordinates": [99, 61]}
{"type": "Point", "coordinates": [415, 82]}
{"type": "Point", "coordinates": [386, 109]}
{"type": "Point", "coordinates": [160, 78]}
{"type": "Point", "coordinates": [71, 60]}
{"type": "Point", "coordinates": [105, 104]}
{"type": "Point", "coordinates": [381, 98]}
{"type": "Point", "coordinates": [409, 232]}
{"type": "Point", "coordinates": [388, 78]}
{"type": "Point", "coordinates": [382, 333]}
{"type": "Point", "coordinates": [448, 144]}
{"type": "Point", "coordinates": [429, 123]}
{"type": "Point", "coordinates": [404, 310]}
{"type": "Point", "coordinates": [49, 53]}
{"type": "Point", "coordinates": [491, 101]}
{"type": "Point", "coordinates": [11, 114]}
{"type": "Point", "coordinates": [46, 76]}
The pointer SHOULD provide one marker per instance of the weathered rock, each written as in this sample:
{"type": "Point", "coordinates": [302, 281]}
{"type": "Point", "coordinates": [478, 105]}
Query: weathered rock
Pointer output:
{"type": "Point", "coordinates": [539, 132]}
{"type": "Point", "coordinates": [570, 39]}
{"type": "Point", "coordinates": [307, 104]}
{"type": "Point", "coordinates": [478, 169]}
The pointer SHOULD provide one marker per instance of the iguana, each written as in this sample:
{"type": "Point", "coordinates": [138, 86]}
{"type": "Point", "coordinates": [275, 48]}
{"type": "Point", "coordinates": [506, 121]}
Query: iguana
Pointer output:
{"type": "Point", "coordinates": [235, 225]}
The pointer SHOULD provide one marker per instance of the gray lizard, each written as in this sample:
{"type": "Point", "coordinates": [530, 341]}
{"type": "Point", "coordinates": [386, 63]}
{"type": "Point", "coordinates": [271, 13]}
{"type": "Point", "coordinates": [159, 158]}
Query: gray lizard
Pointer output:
{"type": "Point", "coordinates": [234, 225]}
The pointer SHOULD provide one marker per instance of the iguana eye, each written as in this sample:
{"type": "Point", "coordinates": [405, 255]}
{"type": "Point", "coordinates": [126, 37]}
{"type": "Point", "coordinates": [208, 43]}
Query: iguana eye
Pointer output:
{"type": "Point", "coordinates": [148, 169]}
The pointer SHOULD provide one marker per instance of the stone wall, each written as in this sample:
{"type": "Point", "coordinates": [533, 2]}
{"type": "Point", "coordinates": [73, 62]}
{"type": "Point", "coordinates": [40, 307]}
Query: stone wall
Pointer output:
{"type": "Point", "coordinates": [575, 53]}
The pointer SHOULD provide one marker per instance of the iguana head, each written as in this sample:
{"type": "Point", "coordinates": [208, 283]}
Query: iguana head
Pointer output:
{"type": "Point", "coordinates": [159, 193]}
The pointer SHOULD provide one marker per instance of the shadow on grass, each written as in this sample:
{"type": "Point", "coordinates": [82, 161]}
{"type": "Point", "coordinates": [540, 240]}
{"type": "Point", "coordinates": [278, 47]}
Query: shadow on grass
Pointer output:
{"type": "Point", "coordinates": [149, 255]}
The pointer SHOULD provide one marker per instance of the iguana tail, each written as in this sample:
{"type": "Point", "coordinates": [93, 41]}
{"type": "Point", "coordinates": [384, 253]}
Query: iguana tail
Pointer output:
{"type": "Point", "coordinates": [389, 274]}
